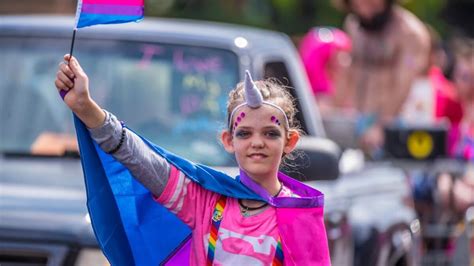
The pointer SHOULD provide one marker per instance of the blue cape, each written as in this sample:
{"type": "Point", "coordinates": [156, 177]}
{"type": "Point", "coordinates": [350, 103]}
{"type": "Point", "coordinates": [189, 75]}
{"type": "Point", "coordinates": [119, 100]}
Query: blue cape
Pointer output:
{"type": "Point", "coordinates": [131, 228]}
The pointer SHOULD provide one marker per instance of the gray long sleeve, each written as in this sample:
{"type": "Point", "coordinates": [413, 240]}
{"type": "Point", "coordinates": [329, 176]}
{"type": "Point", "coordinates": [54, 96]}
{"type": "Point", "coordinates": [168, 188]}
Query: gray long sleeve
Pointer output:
{"type": "Point", "coordinates": [146, 166]}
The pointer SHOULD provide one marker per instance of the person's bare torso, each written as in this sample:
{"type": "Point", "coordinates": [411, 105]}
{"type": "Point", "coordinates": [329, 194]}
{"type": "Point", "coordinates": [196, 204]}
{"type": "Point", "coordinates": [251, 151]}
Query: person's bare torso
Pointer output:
{"type": "Point", "coordinates": [377, 57]}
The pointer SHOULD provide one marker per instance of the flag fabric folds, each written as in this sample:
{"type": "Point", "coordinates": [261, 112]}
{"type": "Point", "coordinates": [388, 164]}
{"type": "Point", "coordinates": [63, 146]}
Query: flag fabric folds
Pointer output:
{"type": "Point", "coordinates": [93, 12]}
{"type": "Point", "coordinates": [131, 228]}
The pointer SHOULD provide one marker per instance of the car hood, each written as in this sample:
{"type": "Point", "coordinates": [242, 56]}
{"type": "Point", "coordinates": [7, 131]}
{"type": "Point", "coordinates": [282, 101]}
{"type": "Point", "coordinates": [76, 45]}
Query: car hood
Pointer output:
{"type": "Point", "coordinates": [43, 199]}
{"type": "Point", "coordinates": [374, 192]}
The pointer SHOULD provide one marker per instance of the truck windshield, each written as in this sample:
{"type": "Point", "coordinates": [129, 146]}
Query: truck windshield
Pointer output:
{"type": "Point", "coordinates": [174, 95]}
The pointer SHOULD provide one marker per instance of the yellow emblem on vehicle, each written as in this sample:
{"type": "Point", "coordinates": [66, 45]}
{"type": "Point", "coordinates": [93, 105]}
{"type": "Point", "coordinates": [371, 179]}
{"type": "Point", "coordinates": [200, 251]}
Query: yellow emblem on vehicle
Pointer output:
{"type": "Point", "coordinates": [420, 144]}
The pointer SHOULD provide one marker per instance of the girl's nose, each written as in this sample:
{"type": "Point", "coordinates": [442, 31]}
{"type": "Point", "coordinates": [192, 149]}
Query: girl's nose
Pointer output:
{"type": "Point", "coordinates": [257, 142]}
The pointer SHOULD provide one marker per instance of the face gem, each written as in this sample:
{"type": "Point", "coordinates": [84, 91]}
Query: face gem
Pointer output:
{"type": "Point", "coordinates": [275, 120]}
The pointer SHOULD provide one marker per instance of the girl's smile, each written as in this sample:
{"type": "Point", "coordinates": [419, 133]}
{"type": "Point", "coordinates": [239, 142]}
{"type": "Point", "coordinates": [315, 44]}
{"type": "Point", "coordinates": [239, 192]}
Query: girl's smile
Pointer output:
{"type": "Point", "coordinates": [257, 156]}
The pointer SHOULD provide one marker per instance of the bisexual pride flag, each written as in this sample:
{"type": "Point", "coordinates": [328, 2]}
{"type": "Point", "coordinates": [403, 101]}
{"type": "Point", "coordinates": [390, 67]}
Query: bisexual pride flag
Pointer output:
{"type": "Point", "coordinates": [92, 12]}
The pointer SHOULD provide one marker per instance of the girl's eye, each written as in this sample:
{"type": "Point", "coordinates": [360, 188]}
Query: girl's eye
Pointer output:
{"type": "Point", "coordinates": [273, 134]}
{"type": "Point", "coordinates": [242, 134]}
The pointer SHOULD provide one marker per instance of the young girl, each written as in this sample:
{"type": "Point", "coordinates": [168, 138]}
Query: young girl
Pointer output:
{"type": "Point", "coordinates": [261, 217]}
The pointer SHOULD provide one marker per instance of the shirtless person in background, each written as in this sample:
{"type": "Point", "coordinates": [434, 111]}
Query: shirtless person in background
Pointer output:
{"type": "Point", "coordinates": [390, 50]}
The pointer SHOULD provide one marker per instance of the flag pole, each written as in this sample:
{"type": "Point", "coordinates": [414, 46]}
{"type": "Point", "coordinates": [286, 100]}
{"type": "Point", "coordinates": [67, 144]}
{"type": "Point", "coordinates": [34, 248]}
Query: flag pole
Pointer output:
{"type": "Point", "coordinates": [76, 22]}
{"type": "Point", "coordinates": [72, 43]}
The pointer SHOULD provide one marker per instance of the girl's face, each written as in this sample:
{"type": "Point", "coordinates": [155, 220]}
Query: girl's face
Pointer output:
{"type": "Point", "coordinates": [259, 140]}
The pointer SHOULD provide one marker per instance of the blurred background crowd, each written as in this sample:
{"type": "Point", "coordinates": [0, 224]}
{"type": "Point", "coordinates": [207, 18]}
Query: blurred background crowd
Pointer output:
{"type": "Point", "coordinates": [373, 62]}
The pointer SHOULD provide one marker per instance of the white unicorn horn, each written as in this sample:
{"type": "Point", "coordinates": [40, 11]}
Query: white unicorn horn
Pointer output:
{"type": "Point", "coordinates": [253, 97]}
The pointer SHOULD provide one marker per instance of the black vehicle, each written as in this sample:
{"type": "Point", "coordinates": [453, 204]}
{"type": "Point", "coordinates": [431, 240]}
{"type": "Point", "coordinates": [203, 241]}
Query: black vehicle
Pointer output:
{"type": "Point", "coordinates": [133, 73]}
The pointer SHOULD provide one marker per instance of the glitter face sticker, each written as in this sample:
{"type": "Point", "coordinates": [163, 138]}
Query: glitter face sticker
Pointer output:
{"type": "Point", "coordinates": [275, 120]}
{"type": "Point", "coordinates": [239, 119]}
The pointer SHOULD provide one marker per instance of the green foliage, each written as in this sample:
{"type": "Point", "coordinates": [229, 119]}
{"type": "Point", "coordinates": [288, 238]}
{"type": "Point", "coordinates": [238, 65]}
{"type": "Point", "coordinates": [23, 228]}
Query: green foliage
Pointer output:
{"type": "Point", "coordinates": [429, 12]}
{"type": "Point", "coordinates": [293, 17]}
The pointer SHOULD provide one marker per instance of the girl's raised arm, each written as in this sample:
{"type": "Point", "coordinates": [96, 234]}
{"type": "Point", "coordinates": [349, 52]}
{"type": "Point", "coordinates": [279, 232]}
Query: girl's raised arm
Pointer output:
{"type": "Point", "coordinates": [126, 147]}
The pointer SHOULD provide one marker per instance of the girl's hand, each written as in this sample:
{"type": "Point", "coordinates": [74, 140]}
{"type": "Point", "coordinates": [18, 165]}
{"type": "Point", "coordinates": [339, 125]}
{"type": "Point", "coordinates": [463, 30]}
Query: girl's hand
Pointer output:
{"type": "Point", "coordinates": [72, 84]}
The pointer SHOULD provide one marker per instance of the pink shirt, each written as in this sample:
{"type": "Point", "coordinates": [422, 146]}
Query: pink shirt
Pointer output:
{"type": "Point", "coordinates": [241, 240]}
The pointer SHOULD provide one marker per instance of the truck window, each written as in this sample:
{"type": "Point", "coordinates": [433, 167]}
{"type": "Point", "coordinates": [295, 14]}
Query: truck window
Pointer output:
{"type": "Point", "coordinates": [278, 70]}
{"type": "Point", "coordinates": [173, 94]}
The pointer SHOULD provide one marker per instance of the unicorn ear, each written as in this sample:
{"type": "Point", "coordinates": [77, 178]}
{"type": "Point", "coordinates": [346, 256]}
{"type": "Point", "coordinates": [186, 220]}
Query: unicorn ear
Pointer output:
{"type": "Point", "coordinates": [253, 97]}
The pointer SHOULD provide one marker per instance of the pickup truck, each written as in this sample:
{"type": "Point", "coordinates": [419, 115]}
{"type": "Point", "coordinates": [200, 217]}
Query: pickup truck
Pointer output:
{"type": "Point", "coordinates": [169, 80]}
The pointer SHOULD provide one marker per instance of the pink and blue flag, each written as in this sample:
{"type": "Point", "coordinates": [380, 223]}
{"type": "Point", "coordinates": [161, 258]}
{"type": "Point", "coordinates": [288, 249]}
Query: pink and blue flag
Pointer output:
{"type": "Point", "coordinates": [92, 12]}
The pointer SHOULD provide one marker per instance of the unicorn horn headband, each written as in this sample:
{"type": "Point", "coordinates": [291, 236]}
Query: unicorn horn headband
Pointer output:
{"type": "Point", "coordinates": [254, 99]}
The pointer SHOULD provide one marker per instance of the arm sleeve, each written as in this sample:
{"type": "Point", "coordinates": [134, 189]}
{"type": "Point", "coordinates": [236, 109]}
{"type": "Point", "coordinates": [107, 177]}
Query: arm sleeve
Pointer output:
{"type": "Point", "coordinates": [144, 164]}
{"type": "Point", "coordinates": [192, 203]}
